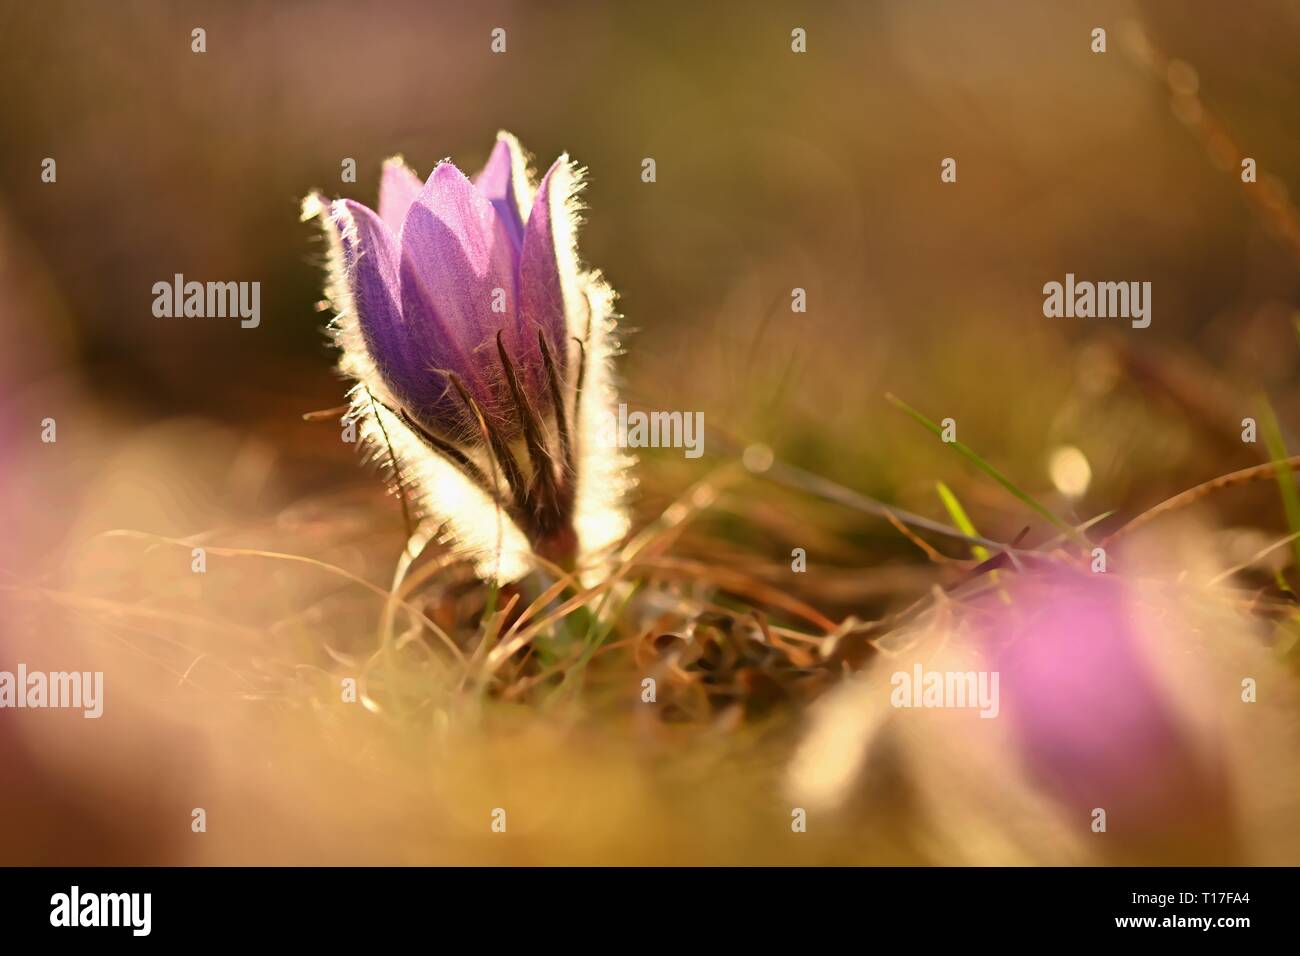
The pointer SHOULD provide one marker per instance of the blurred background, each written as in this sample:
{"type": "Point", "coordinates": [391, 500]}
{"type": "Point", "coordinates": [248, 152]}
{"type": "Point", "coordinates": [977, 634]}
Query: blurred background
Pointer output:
{"type": "Point", "coordinates": [775, 170]}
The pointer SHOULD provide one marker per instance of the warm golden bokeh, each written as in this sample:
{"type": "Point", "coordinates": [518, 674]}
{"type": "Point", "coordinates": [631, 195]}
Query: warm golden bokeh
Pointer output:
{"type": "Point", "coordinates": [775, 171]}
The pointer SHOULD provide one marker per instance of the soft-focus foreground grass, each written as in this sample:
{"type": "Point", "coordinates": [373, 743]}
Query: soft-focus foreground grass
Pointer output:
{"type": "Point", "coordinates": [226, 689]}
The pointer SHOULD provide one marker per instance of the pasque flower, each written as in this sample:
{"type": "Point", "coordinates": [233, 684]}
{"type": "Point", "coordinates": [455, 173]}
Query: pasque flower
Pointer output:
{"type": "Point", "coordinates": [480, 350]}
{"type": "Point", "coordinates": [1096, 726]}
{"type": "Point", "coordinates": [1115, 692]}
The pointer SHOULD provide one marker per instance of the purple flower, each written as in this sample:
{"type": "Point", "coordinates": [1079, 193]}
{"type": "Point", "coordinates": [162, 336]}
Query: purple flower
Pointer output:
{"type": "Point", "coordinates": [1113, 692]}
{"type": "Point", "coordinates": [1096, 727]}
{"type": "Point", "coordinates": [475, 338]}
{"type": "Point", "coordinates": [444, 271]}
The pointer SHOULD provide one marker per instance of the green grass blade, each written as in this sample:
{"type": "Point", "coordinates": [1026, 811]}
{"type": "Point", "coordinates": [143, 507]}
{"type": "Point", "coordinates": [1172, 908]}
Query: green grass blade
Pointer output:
{"type": "Point", "coordinates": [961, 519]}
{"type": "Point", "coordinates": [1285, 478]}
{"type": "Point", "coordinates": [993, 473]}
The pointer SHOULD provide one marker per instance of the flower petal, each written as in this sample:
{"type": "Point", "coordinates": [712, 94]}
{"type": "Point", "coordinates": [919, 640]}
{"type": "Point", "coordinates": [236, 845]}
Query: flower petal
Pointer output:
{"type": "Point", "coordinates": [398, 188]}
{"type": "Point", "coordinates": [399, 350]}
{"type": "Point", "coordinates": [504, 181]}
{"type": "Point", "coordinates": [458, 285]}
{"type": "Point", "coordinates": [548, 264]}
{"type": "Point", "coordinates": [1093, 722]}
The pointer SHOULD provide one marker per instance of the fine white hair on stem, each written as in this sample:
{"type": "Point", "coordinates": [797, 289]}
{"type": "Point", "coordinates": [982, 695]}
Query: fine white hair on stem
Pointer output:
{"type": "Point", "coordinates": [603, 472]}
